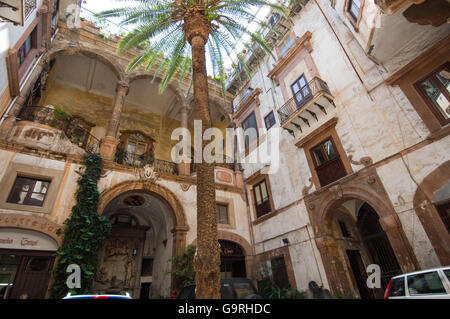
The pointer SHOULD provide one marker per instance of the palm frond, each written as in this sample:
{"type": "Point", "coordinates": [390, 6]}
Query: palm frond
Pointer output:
{"type": "Point", "coordinates": [158, 28]}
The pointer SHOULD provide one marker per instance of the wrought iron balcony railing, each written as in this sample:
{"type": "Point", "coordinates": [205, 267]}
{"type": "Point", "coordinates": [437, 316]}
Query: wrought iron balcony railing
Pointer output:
{"type": "Point", "coordinates": [56, 118]}
{"type": "Point", "coordinates": [140, 160]}
{"type": "Point", "coordinates": [305, 95]}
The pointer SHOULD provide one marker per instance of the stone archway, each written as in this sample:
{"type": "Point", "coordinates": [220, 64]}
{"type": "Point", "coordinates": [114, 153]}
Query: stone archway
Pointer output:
{"type": "Point", "coordinates": [138, 75]}
{"type": "Point", "coordinates": [242, 243]}
{"type": "Point", "coordinates": [321, 205]}
{"type": "Point", "coordinates": [180, 228]}
{"type": "Point", "coordinates": [141, 247]}
{"type": "Point", "coordinates": [34, 223]}
{"type": "Point", "coordinates": [107, 59]}
{"type": "Point", "coordinates": [428, 214]}
{"type": "Point", "coordinates": [28, 240]}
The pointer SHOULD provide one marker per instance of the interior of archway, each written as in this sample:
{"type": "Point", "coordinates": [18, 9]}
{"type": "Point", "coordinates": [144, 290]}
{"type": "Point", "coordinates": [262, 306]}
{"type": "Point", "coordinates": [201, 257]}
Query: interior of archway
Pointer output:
{"type": "Point", "coordinates": [362, 242]}
{"type": "Point", "coordinates": [232, 260]}
{"type": "Point", "coordinates": [135, 257]}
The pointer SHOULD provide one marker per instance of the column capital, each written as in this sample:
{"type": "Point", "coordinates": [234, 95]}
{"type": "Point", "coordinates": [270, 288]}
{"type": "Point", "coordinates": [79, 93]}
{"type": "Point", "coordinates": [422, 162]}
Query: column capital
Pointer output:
{"type": "Point", "coordinates": [123, 84]}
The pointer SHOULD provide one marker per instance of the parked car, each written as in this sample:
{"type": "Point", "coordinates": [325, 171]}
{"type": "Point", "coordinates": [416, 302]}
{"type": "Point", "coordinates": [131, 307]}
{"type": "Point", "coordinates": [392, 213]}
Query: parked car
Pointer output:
{"type": "Point", "coordinates": [230, 288]}
{"type": "Point", "coordinates": [126, 296]}
{"type": "Point", "coordinates": [424, 284]}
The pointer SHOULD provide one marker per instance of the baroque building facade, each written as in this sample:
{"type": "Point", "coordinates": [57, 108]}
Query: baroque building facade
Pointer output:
{"type": "Point", "coordinates": [66, 93]}
{"type": "Point", "coordinates": [358, 89]}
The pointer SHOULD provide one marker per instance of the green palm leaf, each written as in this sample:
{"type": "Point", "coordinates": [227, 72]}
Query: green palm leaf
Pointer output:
{"type": "Point", "coordinates": [158, 27]}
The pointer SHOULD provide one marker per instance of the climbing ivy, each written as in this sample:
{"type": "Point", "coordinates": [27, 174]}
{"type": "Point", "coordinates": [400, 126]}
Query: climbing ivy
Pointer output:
{"type": "Point", "coordinates": [183, 268]}
{"type": "Point", "coordinates": [84, 232]}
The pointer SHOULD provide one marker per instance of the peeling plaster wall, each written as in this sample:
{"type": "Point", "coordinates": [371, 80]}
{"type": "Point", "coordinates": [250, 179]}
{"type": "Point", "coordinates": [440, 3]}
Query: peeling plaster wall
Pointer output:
{"type": "Point", "coordinates": [66, 200]}
{"type": "Point", "coordinates": [97, 109]}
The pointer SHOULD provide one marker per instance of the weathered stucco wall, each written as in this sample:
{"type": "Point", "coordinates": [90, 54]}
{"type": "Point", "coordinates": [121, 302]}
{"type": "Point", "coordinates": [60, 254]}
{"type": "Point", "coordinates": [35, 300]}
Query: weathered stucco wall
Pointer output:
{"type": "Point", "coordinates": [374, 120]}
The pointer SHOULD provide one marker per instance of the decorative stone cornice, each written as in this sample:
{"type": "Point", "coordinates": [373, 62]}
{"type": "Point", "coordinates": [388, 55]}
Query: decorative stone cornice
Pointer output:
{"type": "Point", "coordinates": [326, 126]}
{"type": "Point", "coordinates": [303, 42]}
{"type": "Point", "coordinates": [434, 13]}
{"type": "Point", "coordinates": [392, 6]}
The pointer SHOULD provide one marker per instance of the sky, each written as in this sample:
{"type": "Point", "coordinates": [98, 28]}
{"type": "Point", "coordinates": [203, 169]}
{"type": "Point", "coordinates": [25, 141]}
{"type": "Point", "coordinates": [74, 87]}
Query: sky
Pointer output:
{"type": "Point", "coordinates": [100, 5]}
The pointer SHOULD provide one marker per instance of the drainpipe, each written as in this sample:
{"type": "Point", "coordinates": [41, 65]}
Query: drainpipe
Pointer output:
{"type": "Point", "coordinates": [343, 49]}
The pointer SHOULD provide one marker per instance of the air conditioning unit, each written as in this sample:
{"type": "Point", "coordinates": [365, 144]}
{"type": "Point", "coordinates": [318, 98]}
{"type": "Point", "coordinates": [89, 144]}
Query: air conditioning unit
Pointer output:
{"type": "Point", "coordinates": [16, 11]}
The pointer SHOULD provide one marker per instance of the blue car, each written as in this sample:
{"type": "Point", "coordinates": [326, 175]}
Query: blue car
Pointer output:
{"type": "Point", "coordinates": [126, 296]}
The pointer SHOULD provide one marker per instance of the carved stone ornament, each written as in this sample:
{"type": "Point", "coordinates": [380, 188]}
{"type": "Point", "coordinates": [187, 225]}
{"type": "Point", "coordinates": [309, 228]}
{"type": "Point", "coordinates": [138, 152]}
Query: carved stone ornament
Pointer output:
{"type": "Point", "coordinates": [424, 205]}
{"type": "Point", "coordinates": [185, 187]}
{"type": "Point", "coordinates": [371, 180]}
{"type": "Point", "coordinates": [336, 191]}
{"type": "Point", "coordinates": [307, 188]}
{"type": "Point", "coordinates": [366, 161]}
{"type": "Point", "coordinates": [147, 173]}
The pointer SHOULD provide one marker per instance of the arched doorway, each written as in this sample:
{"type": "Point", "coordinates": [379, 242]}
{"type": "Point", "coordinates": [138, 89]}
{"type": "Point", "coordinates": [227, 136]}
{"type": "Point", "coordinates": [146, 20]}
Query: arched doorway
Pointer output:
{"type": "Point", "coordinates": [26, 261]}
{"type": "Point", "coordinates": [360, 242]}
{"type": "Point", "coordinates": [232, 260]}
{"type": "Point", "coordinates": [432, 206]}
{"type": "Point", "coordinates": [377, 243]}
{"type": "Point", "coordinates": [135, 257]}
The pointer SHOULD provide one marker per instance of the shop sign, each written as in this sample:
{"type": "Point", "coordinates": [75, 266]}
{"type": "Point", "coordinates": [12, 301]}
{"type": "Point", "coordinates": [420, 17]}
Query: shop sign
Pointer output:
{"type": "Point", "coordinates": [14, 238]}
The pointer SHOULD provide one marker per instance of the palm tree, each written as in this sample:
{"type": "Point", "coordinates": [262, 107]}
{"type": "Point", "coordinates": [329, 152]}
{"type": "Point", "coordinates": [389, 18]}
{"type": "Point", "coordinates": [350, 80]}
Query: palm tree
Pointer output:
{"type": "Point", "coordinates": [175, 37]}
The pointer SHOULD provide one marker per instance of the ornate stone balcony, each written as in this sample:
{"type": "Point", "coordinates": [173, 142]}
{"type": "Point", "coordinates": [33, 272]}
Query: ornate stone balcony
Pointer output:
{"type": "Point", "coordinates": [52, 129]}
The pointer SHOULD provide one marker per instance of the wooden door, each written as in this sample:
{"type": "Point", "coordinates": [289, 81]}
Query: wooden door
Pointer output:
{"type": "Point", "coordinates": [33, 276]}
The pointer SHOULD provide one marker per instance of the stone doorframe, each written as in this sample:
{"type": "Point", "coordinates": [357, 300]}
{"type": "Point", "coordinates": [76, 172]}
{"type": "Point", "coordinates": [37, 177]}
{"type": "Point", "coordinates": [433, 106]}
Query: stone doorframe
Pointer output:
{"type": "Point", "coordinates": [366, 186]}
{"type": "Point", "coordinates": [180, 228]}
{"type": "Point", "coordinates": [428, 214]}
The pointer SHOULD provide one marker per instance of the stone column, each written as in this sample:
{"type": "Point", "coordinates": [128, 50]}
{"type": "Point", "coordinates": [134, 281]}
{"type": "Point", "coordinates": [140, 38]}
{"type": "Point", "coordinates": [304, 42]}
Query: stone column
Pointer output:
{"type": "Point", "coordinates": [333, 265]}
{"type": "Point", "coordinates": [184, 168]}
{"type": "Point", "coordinates": [403, 251]}
{"type": "Point", "coordinates": [109, 142]}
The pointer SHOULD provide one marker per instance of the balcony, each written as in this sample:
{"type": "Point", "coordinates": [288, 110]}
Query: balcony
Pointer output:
{"type": "Point", "coordinates": [53, 129]}
{"type": "Point", "coordinates": [302, 110]}
{"type": "Point", "coordinates": [247, 97]}
{"type": "Point", "coordinates": [16, 12]}
{"type": "Point", "coordinates": [140, 160]}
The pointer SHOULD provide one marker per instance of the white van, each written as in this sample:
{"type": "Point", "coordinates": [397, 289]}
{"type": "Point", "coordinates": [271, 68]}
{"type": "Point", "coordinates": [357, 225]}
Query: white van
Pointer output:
{"type": "Point", "coordinates": [424, 284]}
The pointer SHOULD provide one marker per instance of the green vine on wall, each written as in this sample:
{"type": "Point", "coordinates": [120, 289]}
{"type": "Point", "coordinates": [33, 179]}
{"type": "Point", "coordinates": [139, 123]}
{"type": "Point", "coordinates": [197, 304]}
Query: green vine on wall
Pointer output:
{"type": "Point", "coordinates": [84, 232]}
{"type": "Point", "coordinates": [183, 268]}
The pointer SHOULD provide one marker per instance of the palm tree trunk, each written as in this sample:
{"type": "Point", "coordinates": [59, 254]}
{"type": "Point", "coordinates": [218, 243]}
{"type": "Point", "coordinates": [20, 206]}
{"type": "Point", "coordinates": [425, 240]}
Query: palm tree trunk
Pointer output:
{"type": "Point", "coordinates": [207, 259]}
